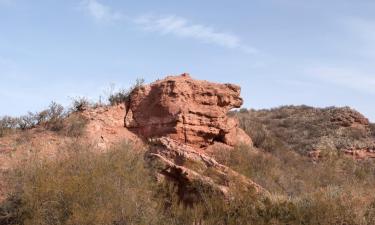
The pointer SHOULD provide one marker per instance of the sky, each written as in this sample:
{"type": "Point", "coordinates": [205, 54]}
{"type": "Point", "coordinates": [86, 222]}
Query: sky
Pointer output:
{"type": "Point", "coordinates": [282, 52]}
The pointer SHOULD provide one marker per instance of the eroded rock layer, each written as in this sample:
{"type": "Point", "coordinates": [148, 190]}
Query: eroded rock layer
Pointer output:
{"type": "Point", "coordinates": [189, 111]}
{"type": "Point", "coordinates": [184, 165]}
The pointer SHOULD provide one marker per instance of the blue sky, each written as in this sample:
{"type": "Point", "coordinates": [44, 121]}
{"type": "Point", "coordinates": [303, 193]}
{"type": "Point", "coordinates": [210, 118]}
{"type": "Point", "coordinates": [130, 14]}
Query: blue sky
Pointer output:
{"type": "Point", "coordinates": [319, 53]}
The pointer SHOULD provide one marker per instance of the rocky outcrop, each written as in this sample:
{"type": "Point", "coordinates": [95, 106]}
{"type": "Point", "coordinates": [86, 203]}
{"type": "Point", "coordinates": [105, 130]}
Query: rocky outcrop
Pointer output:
{"type": "Point", "coordinates": [189, 111]}
{"type": "Point", "coordinates": [105, 127]}
{"type": "Point", "coordinates": [348, 117]}
{"type": "Point", "coordinates": [184, 165]}
{"type": "Point", "coordinates": [183, 119]}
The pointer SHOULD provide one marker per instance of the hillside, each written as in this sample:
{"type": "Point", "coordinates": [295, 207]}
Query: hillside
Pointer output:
{"type": "Point", "coordinates": [309, 130]}
{"type": "Point", "coordinates": [174, 152]}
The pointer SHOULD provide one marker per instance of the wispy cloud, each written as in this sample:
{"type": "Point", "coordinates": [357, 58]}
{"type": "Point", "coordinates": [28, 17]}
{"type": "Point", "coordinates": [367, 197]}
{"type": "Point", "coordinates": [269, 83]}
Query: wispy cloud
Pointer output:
{"type": "Point", "coordinates": [346, 77]}
{"type": "Point", "coordinates": [99, 11]}
{"type": "Point", "coordinates": [182, 27]}
{"type": "Point", "coordinates": [169, 25]}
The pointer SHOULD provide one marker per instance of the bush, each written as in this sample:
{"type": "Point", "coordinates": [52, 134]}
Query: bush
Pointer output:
{"type": "Point", "coordinates": [122, 95]}
{"type": "Point", "coordinates": [27, 121]}
{"type": "Point", "coordinates": [80, 104]}
{"type": "Point", "coordinates": [119, 97]}
{"type": "Point", "coordinates": [255, 130]}
{"type": "Point", "coordinates": [7, 124]}
{"type": "Point", "coordinates": [54, 119]}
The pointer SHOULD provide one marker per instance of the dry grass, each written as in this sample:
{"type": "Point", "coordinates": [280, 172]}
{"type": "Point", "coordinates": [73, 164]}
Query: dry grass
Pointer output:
{"type": "Point", "coordinates": [118, 187]}
{"type": "Point", "coordinates": [84, 188]}
{"type": "Point", "coordinates": [335, 190]}
{"type": "Point", "coordinates": [304, 128]}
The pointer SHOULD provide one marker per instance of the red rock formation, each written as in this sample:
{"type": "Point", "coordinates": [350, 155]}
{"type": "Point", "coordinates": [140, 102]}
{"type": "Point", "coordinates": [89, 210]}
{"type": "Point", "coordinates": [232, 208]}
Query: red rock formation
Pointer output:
{"type": "Point", "coordinates": [105, 126]}
{"type": "Point", "coordinates": [189, 111]}
{"type": "Point", "coordinates": [175, 164]}
{"type": "Point", "coordinates": [180, 116]}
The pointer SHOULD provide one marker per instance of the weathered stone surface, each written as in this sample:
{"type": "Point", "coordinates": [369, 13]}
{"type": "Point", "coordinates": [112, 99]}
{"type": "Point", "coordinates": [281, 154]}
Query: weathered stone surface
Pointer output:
{"type": "Point", "coordinates": [105, 127]}
{"type": "Point", "coordinates": [184, 165]}
{"type": "Point", "coordinates": [189, 111]}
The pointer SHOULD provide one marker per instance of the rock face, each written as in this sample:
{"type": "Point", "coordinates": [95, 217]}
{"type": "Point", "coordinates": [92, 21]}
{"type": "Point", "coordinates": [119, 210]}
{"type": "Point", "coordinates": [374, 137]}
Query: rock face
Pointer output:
{"type": "Point", "coordinates": [189, 111]}
{"type": "Point", "coordinates": [182, 119]}
{"type": "Point", "coordinates": [105, 126]}
{"type": "Point", "coordinates": [183, 164]}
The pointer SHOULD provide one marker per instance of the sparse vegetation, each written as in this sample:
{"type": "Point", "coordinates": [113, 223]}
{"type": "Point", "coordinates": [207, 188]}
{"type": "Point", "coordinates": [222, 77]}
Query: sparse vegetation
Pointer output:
{"type": "Point", "coordinates": [335, 190]}
{"type": "Point", "coordinates": [122, 95]}
{"type": "Point", "coordinates": [84, 188]}
{"type": "Point", "coordinates": [118, 188]}
{"type": "Point", "coordinates": [51, 119]}
{"type": "Point", "coordinates": [80, 104]}
{"type": "Point", "coordinates": [7, 125]}
{"type": "Point", "coordinates": [304, 128]}
{"type": "Point", "coordinates": [74, 125]}
{"type": "Point", "coordinates": [55, 118]}
{"type": "Point", "coordinates": [372, 129]}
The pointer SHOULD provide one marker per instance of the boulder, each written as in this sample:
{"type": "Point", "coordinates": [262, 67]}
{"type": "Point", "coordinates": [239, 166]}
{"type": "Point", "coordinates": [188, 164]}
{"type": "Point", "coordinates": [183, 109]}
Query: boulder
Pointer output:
{"type": "Point", "coordinates": [192, 112]}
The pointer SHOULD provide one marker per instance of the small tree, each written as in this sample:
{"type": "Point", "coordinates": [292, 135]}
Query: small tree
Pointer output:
{"type": "Point", "coordinates": [7, 124]}
{"type": "Point", "coordinates": [55, 117]}
{"type": "Point", "coordinates": [26, 122]}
